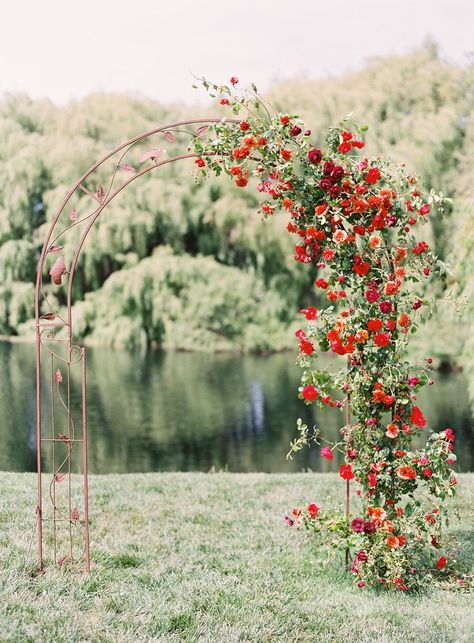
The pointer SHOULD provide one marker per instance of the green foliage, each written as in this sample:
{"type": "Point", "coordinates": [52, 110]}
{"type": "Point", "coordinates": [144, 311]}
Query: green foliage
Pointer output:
{"type": "Point", "coordinates": [190, 303]}
{"type": "Point", "coordinates": [418, 110]}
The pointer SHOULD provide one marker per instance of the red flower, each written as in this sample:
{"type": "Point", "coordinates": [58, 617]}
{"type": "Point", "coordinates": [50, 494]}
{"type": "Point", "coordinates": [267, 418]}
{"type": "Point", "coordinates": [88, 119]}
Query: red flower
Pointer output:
{"type": "Point", "coordinates": [371, 295]}
{"type": "Point", "coordinates": [234, 80]}
{"type": "Point", "coordinates": [310, 313]}
{"type": "Point", "coordinates": [295, 130]}
{"type": "Point", "coordinates": [244, 126]}
{"type": "Point", "coordinates": [310, 393]}
{"type": "Point", "coordinates": [306, 347]}
{"type": "Point", "coordinates": [313, 510]}
{"type": "Point", "coordinates": [345, 471]}
{"type": "Point", "coordinates": [449, 435]}
{"type": "Point", "coordinates": [284, 120]}
{"type": "Point", "coordinates": [200, 162]}
{"type": "Point", "coordinates": [405, 472]}
{"type": "Point", "coordinates": [441, 563]}
{"type": "Point", "coordinates": [372, 176]}
{"type": "Point", "coordinates": [372, 478]}
{"type": "Point", "coordinates": [358, 525]}
{"type": "Point", "coordinates": [315, 156]}
{"type": "Point", "coordinates": [417, 418]}
{"type": "Point", "coordinates": [427, 472]}
{"type": "Point", "coordinates": [327, 453]}
{"type": "Point", "coordinates": [344, 147]}
{"type": "Point", "coordinates": [382, 339]}
{"type": "Point", "coordinates": [321, 283]}
{"type": "Point", "coordinates": [374, 325]}
{"type": "Point", "coordinates": [361, 268]}
{"type": "Point", "coordinates": [286, 155]}
{"type": "Point", "coordinates": [224, 101]}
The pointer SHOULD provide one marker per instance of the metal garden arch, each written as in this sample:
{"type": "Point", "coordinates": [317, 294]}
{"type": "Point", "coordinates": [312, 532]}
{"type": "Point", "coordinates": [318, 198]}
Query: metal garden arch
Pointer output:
{"type": "Point", "coordinates": [63, 521]}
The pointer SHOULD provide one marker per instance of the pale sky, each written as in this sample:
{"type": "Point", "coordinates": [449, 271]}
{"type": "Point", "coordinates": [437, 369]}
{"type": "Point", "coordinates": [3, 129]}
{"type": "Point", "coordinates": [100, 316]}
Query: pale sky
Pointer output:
{"type": "Point", "coordinates": [61, 49]}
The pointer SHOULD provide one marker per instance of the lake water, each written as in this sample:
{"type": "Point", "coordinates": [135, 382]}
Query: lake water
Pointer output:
{"type": "Point", "coordinates": [195, 412]}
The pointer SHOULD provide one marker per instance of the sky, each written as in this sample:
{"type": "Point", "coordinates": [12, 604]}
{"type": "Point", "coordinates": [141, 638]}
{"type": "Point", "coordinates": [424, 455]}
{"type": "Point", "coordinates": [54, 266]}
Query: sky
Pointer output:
{"type": "Point", "coordinates": [64, 49]}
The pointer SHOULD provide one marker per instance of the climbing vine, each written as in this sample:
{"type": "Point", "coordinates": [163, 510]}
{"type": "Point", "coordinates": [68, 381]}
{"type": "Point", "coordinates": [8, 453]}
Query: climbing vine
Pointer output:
{"type": "Point", "coordinates": [355, 222]}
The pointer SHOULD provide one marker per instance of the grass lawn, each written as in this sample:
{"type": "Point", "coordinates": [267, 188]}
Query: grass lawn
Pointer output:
{"type": "Point", "coordinates": [207, 557]}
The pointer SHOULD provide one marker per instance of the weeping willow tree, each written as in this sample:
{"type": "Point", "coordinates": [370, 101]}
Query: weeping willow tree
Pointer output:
{"type": "Point", "coordinates": [418, 108]}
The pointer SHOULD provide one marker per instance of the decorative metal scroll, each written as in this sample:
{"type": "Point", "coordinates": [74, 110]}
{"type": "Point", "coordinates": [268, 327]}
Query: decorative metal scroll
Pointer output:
{"type": "Point", "coordinates": [61, 406]}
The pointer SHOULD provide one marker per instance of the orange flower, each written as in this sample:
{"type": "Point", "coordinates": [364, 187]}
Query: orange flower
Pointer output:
{"type": "Point", "coordinates": [286, 155]}
{"type": "Point", "coordinates": [405, 472]}
{"type": "Point", "coordinates": [400, 255]}
{"type": "Point", "coordinates": [361, 336]}
{"type": "Point", "coordinates": [287, 203]}
{"type": "Point", "coordinates": [400, 272]}
{"type": "Point", "coordinates": [391, 287]}
{"type": "Point", "coordinates": [375, 241]}
{"type": "Point", "coordinates": [392, 431]}
{"type": "Point", "coordinates": [395, 541]}
{"type": "Point", "coordinates": [377, 513]}
{"type": "Point", "coordinates": [404, 321]}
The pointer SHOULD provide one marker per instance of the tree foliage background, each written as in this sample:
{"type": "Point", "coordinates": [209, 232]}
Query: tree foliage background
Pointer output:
{"type": "Point", "coordinates": [187, 266]}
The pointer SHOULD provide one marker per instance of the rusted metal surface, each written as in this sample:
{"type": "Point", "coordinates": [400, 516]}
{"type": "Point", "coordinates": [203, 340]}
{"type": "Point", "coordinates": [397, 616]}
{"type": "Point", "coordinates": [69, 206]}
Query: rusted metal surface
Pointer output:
{"type": "Point", "coordinates": [63, 513]}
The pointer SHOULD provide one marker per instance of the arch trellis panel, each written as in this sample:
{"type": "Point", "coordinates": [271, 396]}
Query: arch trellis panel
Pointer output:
{"type": "Point", "coordinates": [61, 401]}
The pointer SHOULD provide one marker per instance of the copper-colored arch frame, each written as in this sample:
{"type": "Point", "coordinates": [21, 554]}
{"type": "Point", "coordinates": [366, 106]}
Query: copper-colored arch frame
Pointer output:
{"type": "Point", "coordinates": [49, 326]}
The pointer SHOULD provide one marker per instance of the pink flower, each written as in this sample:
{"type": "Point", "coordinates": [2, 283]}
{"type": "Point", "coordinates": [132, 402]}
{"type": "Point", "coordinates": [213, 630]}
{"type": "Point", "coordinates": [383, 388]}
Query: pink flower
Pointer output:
{"type": "Point", "coordinates": [385, 307]}
{"type": "Point", "coordinates": [370, 528]}
{"type": "Point", "coordinates": [327, 453]}
{"type": "Point", "coordinates": [371, 295]}
{"type": "Point", "coordinates": [358, 525]}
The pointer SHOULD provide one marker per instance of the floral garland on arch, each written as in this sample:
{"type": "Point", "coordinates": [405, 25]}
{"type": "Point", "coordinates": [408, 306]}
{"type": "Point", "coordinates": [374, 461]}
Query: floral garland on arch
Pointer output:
{"type": "Point", "coordinates": [353, 218]}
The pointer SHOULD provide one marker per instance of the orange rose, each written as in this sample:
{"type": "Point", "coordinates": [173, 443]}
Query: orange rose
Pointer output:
{"type": "Point", "coordinates": [375, 241]}
{"type": "Point", "coordinates": [405, 472]}
{"type": "Point", "coordinates": [391, 287]}
{"type": "Point", "coordinates": [404, 321]}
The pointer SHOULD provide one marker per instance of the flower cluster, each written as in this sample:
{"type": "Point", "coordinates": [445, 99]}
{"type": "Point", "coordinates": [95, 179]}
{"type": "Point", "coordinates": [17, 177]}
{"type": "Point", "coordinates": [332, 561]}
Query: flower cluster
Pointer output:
{"type": "Point", "coordinates": [354, 220]}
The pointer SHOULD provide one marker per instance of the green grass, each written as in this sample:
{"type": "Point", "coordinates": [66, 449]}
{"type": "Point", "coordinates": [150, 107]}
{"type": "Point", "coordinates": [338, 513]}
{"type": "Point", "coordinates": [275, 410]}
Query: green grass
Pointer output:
{"type": "Point", "coordinates": [207, 557]}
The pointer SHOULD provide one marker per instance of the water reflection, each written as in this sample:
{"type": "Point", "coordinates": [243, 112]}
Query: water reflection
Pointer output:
{"type": "Point", "coordinates": [182, 412]}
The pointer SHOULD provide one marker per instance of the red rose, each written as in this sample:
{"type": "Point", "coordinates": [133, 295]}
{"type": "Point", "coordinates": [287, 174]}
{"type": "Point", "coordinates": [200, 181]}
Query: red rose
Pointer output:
{"type": "Point", "coordinates": [382, 339]}
{"type": "Point", "coordinates": [244, 126]}
{"type": "Point", "coordinates": [295, 130]}
{"type": "Point", "coordinates": [315, 156]}
{"type": "Point", "coordinates": [374, 325]}
{"type": "Point", "coordinates": [441, 563]}
{"type": "Point", "coordinates": [325, 184]}
{"type": "Point", "coordinates": [344, 147]}
{"type": "Point", "coordinates": [371, 295]}
{"type": "Point", "coordinates": [312, 510]}
{"type": "Point", "coordinates": [310, 393]}
{"type": "Point", "coordinates": [345, 471]}
{"type": "Point", "coordinates": [328, 167]}
{"type": "Point", "coordinates": [372, 176]}
{"type": "Point", "coordinates": [417, 418]}
{"type": "Point", "coordinates": [284, 120]}
{"type": "Point", "coordinates": [321, 283]}
{"type": "Point", "coordinates": [306, 347]}
{"type": "Point", "coordinates": [234, 80]}
{"type": "Point", "coordinates": [310, 313]}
